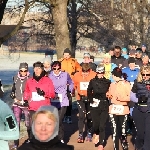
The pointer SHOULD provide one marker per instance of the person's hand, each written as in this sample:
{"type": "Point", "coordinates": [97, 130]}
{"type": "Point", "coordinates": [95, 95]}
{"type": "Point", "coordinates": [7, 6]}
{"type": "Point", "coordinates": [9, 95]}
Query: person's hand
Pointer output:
{"type": "Point", "coordinates": [12, 95]}
{"type": "Point", "coordinates": [40, 92]}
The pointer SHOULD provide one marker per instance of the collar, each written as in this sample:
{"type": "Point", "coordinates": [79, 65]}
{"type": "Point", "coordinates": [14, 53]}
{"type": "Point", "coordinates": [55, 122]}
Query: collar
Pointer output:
{"type": "Point", "coordinates": [56, 75]}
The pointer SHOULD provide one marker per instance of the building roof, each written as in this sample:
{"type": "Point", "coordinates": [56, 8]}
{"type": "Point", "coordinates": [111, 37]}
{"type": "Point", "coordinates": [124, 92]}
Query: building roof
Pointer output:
{"type": "Point", "coordinates": [6, 29]}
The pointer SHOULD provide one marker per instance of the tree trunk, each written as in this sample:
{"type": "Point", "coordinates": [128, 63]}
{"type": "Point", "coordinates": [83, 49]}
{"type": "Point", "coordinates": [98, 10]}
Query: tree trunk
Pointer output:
{"type": "Point", "coordinates": [2, 8]}
{"type": "Point", "coordinates": [59, 12]}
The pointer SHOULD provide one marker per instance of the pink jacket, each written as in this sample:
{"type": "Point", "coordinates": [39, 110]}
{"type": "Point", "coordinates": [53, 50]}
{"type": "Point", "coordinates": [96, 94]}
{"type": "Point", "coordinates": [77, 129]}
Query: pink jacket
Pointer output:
{"type": "Point", "coordinates": [119, 93]}
{"type": "Point", "coordinates": [30, 93]}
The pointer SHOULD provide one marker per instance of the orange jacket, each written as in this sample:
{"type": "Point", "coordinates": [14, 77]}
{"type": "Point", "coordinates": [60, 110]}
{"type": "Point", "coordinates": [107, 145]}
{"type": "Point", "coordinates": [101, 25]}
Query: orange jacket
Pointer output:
{"type": "Point", "coordinates": [70, 65]}
{"type": "Point", "coordinates": [119, 93]}
{"type": "Point", "coordinates": [81, 82]}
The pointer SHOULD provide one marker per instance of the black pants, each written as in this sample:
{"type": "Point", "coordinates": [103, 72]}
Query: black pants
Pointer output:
{"type": "Point", "coordinates": [61, 112]}
{"type": "Point", "coordinates": [84, 109]}
{"type": "Point", "coordinates": [118, 128]}
{"type": "Point", "coordinates": [142, 124]}
{"type": "Point", "coordinates": [99, 118]}
{"type": "Point", "coordinates": [69, 108]}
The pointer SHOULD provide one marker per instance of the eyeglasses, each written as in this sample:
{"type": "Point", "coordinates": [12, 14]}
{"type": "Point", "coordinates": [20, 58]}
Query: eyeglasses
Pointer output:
{"type": "Point", "coordinates": [56, 68]}
{"type": "Point", "coordinates": [23, 70]}
{"type": "Point", "coordinates": [145, 74]}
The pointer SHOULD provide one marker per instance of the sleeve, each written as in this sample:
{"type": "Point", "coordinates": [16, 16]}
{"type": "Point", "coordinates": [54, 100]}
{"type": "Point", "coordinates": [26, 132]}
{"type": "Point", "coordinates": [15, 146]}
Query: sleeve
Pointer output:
{"type": "Point", "coordinates": [133, 97]}
{"type": "Point", "coordinates": [26, 91]}
{"type": "Point", "coordinates": [134, 87]}
{"type": "Point", "coordinates": [90, 92]}
{"type": "Point", "coordinates": [74, 81]}
{"type": "Point", "coordinates": [77, 66]}
{"type": "Point", "coordinates": [70, 82]}
{"type": "Point", "coordinates": [51, 92]}
{"type": "Point", "coordinates": [5, 134]}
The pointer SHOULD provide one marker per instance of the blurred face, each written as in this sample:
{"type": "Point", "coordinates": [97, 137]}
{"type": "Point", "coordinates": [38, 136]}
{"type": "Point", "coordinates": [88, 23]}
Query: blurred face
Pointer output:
{"type": "Point", "coordinates": [23, 72]}
{"type": "Point", "coordinates": [145, 60]}
{"type": "Point", "coordinates": [133, 47]}
{"type": "Point", "coordinates": [111, 53]}
{"type": "Point", "coordinates": [143, 48]}
{"type": "Point", "coordinates": [117, 52]}
{"type": "Point", "coordinates": [67, 55]}
{"type": "Point", "coordinates": [146, 74]}
{"type": "Point", "coordinates": [46, 65]}
{"type": "Point", "coordinates": [91, 60]}
{"type": "Point", "coordinates": [86, 59]}
{"type": "Point", "coordinates": [56, 69]}
{"type": "Point", "coordinates": [132, 66]}
{"type": "Point", "coordinates": [100, 75]}
{"type": "Point", "coordinates": [138, 55]}
{"type": "Point", "coordinates": [85, 72]}
{"type": "Point", "coordinates": [44, 127]}
{"type": "Point", "coordinates": [107, 60]}
{"type": "Point", "coordinates": [37, 71]}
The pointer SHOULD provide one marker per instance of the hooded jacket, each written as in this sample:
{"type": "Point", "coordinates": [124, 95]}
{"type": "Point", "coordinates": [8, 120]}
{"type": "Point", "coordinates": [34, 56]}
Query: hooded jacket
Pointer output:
{"type": "Point", "coordinates": [5, 134]}
{"type": "Point", "coordinates": [53, 143]}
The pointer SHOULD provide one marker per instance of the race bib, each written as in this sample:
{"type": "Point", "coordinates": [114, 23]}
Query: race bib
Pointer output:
{"type": "Point", "coordinates": [84, 85]}
{"type": "Point", "coordinates": [117, 109]}
{"type": "Point", "coordinates": [57, 98]}
{"type": "Point", "coordinates": [37, 97]}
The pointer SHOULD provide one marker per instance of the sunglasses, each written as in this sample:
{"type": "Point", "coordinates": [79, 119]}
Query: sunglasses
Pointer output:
{"type": "Point", "coordinates": [145, 74]}
{"type": "Point", "coordinates": [100, 72]}
{"type": "Point", "coordinates": [56, 68]}
{"type": "Point", "coordinates": [23, 70]}
{"type": "Point", "coordinates": [86, 70]}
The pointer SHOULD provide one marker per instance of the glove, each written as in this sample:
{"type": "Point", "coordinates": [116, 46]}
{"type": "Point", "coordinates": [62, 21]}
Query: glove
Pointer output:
{"type": "Point", "coordinates": [142, 99]}
{"type": "Point", "coordinates": [84, 99]}
{"type": "Point", "coordinates": [12, 95]}
{"type": "Point", "coordinates": [26, 104]}
{"type": "Point", "coordinates": [40, 92]}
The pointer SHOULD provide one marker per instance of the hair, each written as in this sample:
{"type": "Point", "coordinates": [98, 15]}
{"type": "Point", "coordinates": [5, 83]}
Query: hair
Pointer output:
{"type": "Point", "coordinates": [92, 57]}
{"type": "Point", "coordinates": [85, 66]}
{"type": "Point", "coordinates": [56, 63]}
{"type": "Point", "coordinates": [143, 68]}
{"type": "Point", "coordinates": [38, 63]}
{"type": "Point", "coordinates": [118, 47]}
{"type": "Point", "coordinates": [118, 73]}
{"type": "Point", "coordinates": [45, 112]}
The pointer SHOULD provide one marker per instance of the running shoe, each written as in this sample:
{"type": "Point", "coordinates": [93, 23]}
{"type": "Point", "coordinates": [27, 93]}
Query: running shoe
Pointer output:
{"type": "Point", "coordinates": [80, 138]}
{"type": "Point", "coordinates": [69, 120]}
{"type": "Point", "coordinates": [89, 137]}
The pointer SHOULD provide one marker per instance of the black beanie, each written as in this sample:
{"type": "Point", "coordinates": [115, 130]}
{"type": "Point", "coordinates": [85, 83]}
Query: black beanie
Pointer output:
{"type": "Point", "coordinates": [38, 64]}
{"type": "Point", "coordinates": [67, 50]}
{"type": "Point", "coordinates": [131, 60]}
{"type": "Point", "coordinates": [117, 72]}
{"type": "Point", "coordinates": [23, 65]}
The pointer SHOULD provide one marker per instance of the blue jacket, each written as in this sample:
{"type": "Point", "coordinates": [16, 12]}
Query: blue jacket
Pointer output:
{"type": "Point", "coordinates": [5, 134]}
{"type": "Point", "coordinates": [132, 74]}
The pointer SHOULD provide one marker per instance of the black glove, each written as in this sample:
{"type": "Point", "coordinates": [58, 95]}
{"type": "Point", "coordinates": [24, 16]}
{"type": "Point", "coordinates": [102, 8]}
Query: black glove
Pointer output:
{"type": "Point", "coordinates": [40, 92]}
{"type": "Point", "coordinates": [142, 99]}
{"type": "Point", "coordinates": [12, 95]}
{"type": "Point", "coordinates": [84, 99]}
{"type": "Point", "coordinates": [26, 104]}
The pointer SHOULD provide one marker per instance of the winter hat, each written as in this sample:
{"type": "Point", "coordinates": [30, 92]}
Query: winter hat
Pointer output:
{"type": "Point", "coordinates": [100, 69]}
{"type": "Point", "coordinates": [38, 64]}
{"type": "Point", "coordinates": [54, 111]}
{"type": "Point", "coordinates": [124, 49]}
{"type": "Point", "coordinates": [131, 60]}
{"type": "Point", "coordinates": [23, 65]}
{"type": "Point", "coordinates": [143, 45]}
{"type": "Point", "coordinates": [48, 60]}
{"type": "Point", "coordinates": [86, 54]}
{"type": "Point", "coordinates": [67, 50]}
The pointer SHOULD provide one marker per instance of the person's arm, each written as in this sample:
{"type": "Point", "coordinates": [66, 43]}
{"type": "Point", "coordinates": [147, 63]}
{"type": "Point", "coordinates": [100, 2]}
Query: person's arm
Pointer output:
{"type": "Point", "coordinates": [77, 66]}
{"type": "Point", "coordinates": [5, 134]}
{"type": "Point", "coordinates": [51, 91]}
{"type": "Point", "coordinates": [90, 92]}
{"type": "Point", "coordinates": [70, 82]}
{"type": "Point", "coordinates": [26, 91]}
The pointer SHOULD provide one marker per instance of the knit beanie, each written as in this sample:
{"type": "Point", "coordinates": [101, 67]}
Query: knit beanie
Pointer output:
{"type": "Point", "coordinates": [23, 65]}
{"type": "Point", "coordinates": [67, 50]}
{"type": "Point", "coordinates": [48, 60]}
{"type": "Point", "coordinates": [131, 60]}
{"type": "Point", "coordinates": [54, 111]}
{"type": "Point", "coordinates": [100, 69]}
{"type": "Point", "coordinates": [38, 64]}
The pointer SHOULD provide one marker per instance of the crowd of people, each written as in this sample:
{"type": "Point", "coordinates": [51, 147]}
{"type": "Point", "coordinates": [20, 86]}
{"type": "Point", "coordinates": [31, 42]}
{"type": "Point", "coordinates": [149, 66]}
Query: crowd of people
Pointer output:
{"type": "Point", "coordinates": [117, 90]}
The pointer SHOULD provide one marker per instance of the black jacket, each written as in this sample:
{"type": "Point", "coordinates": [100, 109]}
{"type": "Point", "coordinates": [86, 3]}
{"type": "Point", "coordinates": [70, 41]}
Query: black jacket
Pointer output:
{"type": "Point", "coordinates": [98, 88]}
{"type": "Point", "coordinates": [53, 144]}
{"type": "Point", "coordinates": [117, 60]}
